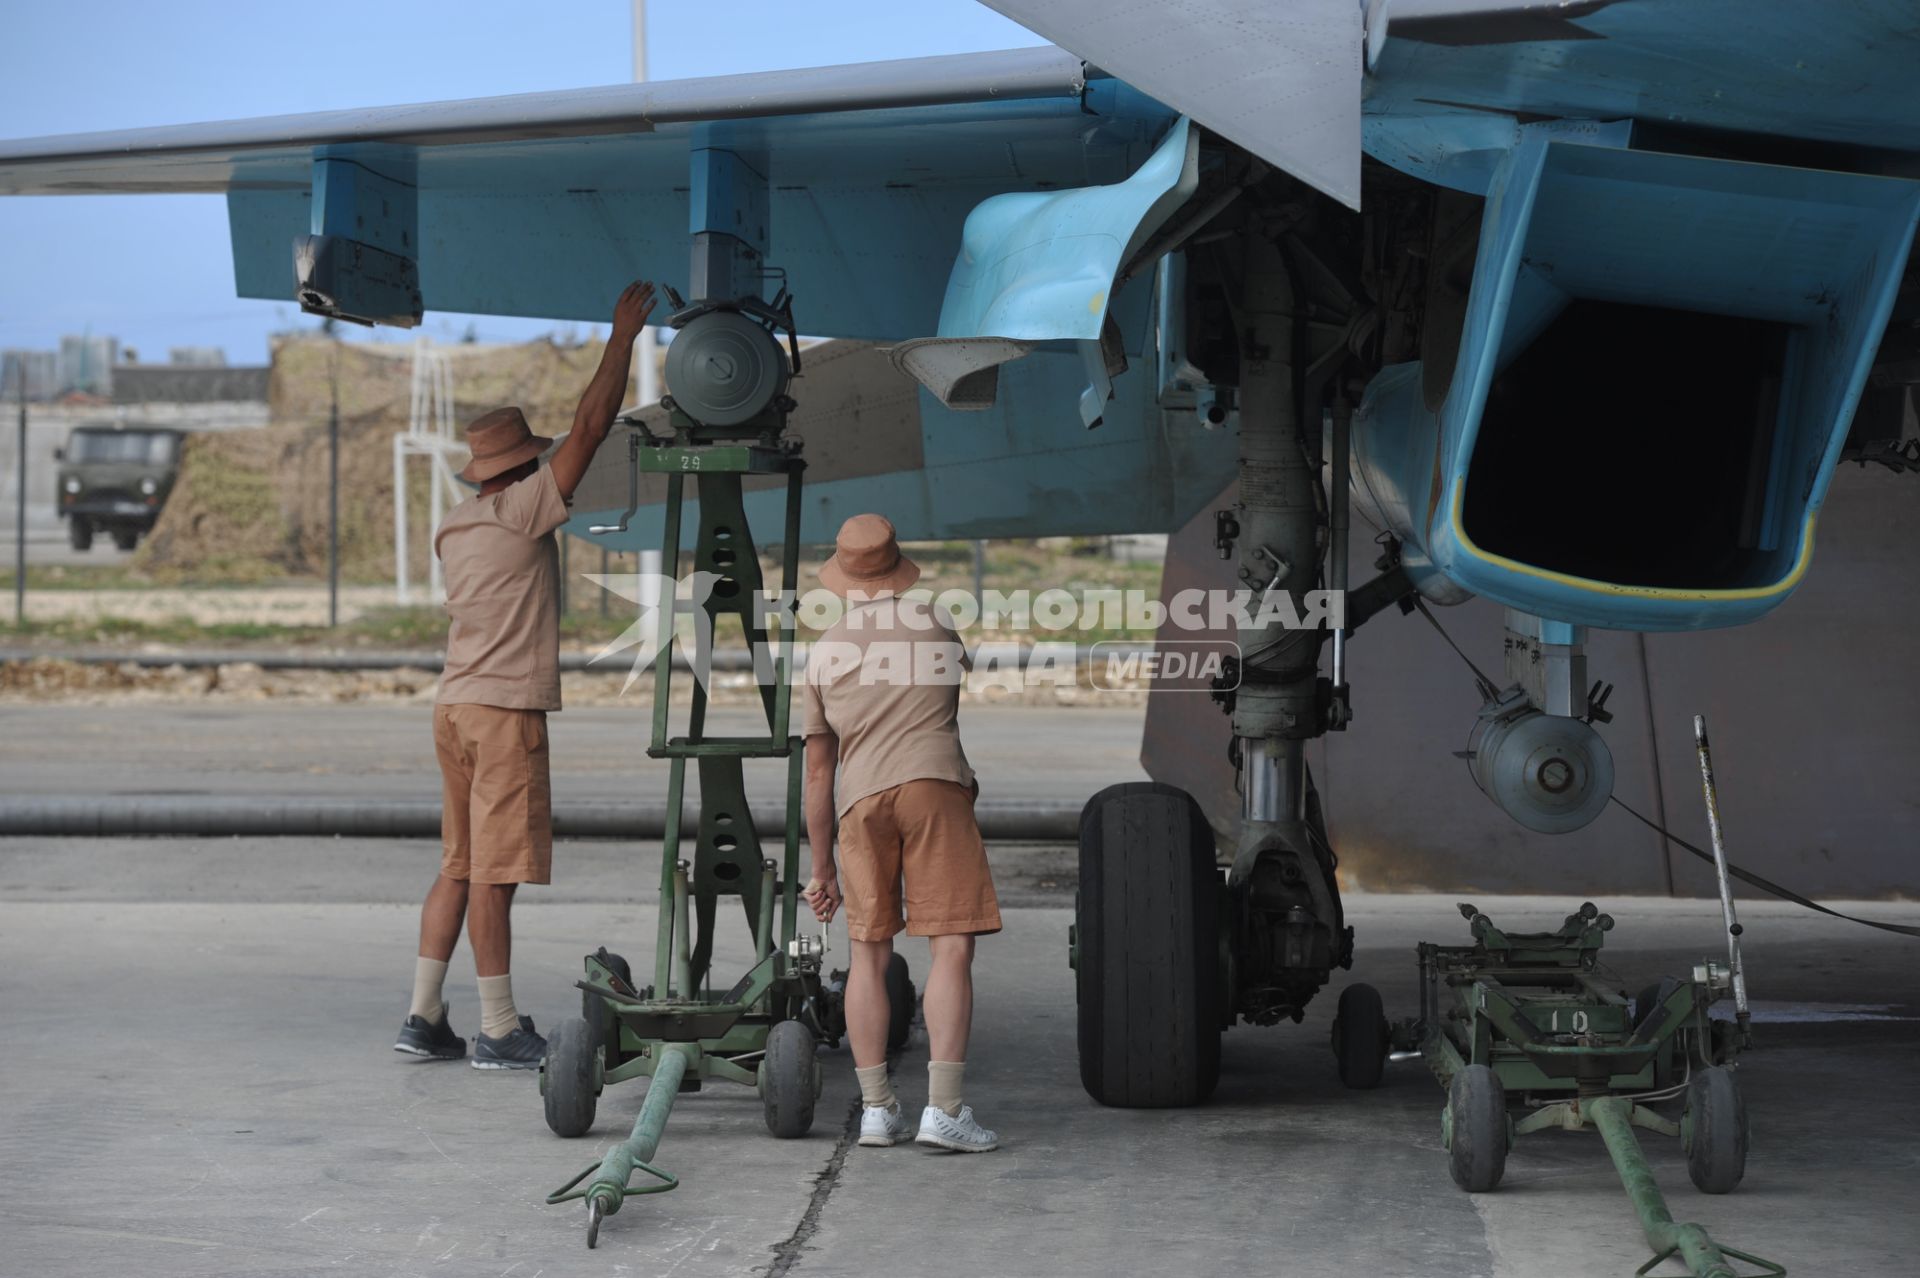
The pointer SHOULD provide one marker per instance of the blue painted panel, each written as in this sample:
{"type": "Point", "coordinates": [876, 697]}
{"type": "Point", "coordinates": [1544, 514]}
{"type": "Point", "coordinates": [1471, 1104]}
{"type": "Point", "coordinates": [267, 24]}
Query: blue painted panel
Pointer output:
{"type": "Point", "coordinates": [867, 207]}
{"type": "Point", "coordinates": [1818, 69]}
{"type": "Point", "coordinates": [1040, 266]}
{"type": "Point", "coordinates": [1006, 474]}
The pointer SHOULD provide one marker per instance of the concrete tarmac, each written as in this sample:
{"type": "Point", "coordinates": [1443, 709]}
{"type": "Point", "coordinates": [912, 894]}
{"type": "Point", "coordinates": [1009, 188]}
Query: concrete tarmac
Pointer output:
{"type": "Point", "coordinates": [200, 1082]}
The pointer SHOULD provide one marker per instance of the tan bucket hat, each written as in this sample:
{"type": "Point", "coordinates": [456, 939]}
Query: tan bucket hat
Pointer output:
{"type": "Point", "coordinates": [499, 441]}
{"type": "Point", "coordinates": [867, 560]}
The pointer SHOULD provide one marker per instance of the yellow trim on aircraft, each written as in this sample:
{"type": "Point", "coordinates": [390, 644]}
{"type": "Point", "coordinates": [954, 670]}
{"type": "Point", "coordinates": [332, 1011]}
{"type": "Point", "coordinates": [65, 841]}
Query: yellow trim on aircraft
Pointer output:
{"type": "Point", "coordinates": [1780, 587]}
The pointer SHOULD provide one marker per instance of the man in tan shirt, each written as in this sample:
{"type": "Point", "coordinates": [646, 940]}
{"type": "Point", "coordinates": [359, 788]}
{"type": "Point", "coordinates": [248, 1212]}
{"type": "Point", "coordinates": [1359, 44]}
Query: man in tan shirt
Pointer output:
{"type": "Point", "coordinates": [490, 719]}
{"type": "Point", "coordinates": [882, 696]}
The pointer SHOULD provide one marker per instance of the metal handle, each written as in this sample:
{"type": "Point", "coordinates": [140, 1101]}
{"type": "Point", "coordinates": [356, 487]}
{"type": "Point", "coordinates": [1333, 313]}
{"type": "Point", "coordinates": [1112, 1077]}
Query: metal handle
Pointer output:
{"type": "Point", "coordinates": [1741, 1015]}
{"type": "Point", "coordinates": [633, 485]}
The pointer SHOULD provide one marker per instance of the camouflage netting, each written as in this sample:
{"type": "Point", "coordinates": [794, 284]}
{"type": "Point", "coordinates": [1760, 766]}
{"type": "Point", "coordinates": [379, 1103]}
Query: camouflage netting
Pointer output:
{"type": "Point", "coordinates": [251, 506]}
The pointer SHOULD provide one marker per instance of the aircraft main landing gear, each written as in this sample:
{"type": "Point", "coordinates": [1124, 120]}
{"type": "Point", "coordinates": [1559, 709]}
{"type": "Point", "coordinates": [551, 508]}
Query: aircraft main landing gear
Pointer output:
{"type": "Point", "coordinates": [1169, 946]}
{"type": "Point", "coordinates": [1146, 949]}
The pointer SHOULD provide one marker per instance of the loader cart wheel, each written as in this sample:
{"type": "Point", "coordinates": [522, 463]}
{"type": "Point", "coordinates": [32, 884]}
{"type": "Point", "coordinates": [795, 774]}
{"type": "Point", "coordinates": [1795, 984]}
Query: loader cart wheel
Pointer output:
{"type": "Point", "coordinates": [900, 1000]}
{"type": "Point", "coordinates": [1477, 1128]}
{"type": "Point", "coordinates": [1146, 948]}
{"type": "Point", "coordinates": [599, 1013]}
{"type": "Point", "coordinates": [789, 1080]}
{"type": "Point", "coordinates": [79, 533]}
{"type": "Point", "coordinates": [1714, 1130]}
{"type": "Point", "coordinates": [567, 1080]}
{"type": "Point", "coordinates": [1360, 1033]}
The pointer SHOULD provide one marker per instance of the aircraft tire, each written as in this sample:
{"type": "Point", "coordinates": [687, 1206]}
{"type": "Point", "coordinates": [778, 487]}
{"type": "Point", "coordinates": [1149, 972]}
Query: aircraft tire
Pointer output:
{"type": "Point", "coordinates": [1360, 1036]}
{"type": "Point", "coordinates": [1146, 946]}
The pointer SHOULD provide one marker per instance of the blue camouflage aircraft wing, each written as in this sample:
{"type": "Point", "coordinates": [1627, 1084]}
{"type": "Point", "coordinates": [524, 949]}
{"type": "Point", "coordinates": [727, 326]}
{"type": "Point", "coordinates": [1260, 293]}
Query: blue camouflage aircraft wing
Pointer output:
{"type": "Point", "coordinates": [530, 204]}
{"type": "Point", "coordinates": [541, 204]}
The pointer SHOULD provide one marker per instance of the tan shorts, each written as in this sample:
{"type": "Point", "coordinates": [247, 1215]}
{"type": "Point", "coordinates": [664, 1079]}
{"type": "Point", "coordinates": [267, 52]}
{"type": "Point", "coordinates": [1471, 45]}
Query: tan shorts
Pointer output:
{"type": "Point", "coordinates": [923, 831]}
{"type": "Point", "coordinates": [496, 814]}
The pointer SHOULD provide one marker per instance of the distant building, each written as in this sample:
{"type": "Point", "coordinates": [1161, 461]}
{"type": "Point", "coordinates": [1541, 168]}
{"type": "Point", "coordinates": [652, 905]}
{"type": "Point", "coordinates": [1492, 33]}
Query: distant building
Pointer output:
{"type": "Point", "coordinates": [197, 356]}
{"type": "Point", "coordinates": [40, 369]}
{"type": "Point", "coordinates": [155, 384]}
{"type": "Point", "coordinates": [85, 364]}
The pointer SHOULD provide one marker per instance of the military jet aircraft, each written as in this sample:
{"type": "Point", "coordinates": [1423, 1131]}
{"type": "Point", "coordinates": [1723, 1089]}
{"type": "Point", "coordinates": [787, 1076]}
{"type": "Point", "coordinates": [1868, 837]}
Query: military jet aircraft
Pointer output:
{"type": "Point", "coordinates": [1578, 303]}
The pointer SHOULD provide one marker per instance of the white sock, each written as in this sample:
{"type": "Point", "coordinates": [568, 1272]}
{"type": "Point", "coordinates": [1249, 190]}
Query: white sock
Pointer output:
{"type": "Point", "coordinates": [943, 1085]}
{"type": "Point", "coordinates": [498, 1016]}
{"type": "Point", "coordinates": [875, 1088]}
{"type": "Point", "coordinates": [429, 975]}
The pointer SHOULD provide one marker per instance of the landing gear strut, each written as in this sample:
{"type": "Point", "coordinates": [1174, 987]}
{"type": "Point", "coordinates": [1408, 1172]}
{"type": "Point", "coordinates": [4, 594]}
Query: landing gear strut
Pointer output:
{"type": "Point", "coordinates": [1169, 950]}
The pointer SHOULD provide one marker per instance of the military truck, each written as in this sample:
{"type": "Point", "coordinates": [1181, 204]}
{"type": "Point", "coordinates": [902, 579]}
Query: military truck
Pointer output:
{"type": "Point", "coordinates": [114, 478]}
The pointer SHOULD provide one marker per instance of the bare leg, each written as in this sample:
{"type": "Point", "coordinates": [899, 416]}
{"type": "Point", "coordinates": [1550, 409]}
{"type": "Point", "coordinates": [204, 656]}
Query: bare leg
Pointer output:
{"type": "Point", "coordinates": [489, 930]}
{"type": "Point", "coordinates": [947, 1003]}
{"type": "Point", "coordinates": [868, 1011]}
{"type": "Point", "coordinates": [441, 916]}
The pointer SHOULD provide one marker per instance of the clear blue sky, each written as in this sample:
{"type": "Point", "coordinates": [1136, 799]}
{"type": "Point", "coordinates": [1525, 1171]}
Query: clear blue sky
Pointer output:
{"type": "Point", "coordinates": [155, 271]}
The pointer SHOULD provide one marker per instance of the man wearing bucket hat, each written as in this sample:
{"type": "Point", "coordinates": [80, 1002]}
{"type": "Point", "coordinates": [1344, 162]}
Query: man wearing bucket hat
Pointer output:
{"type": "Point", "coordinates": [502, 675]}
{"type": "Point", "coordinates": [882, 696]}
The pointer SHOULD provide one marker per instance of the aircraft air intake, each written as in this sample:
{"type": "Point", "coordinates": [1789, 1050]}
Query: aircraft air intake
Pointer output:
{"type": "Point", "coordinates": [1658, 365]}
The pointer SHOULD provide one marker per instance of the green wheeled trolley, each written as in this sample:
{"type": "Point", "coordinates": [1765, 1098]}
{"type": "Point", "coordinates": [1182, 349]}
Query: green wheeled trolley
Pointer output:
{"type": "Point", "coordinates": [763, 1028]}
{"type": "Point", "coordinates": [1527, 1021]}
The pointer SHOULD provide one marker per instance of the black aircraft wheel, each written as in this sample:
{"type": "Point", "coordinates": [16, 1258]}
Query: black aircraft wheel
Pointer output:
{"type": "Point", "coordinates": [599, 1013]}
{"type": "Point", "coordinates": [1360, 1036]}
{"type": "Point", "coordinates": [1477, 1128]}
{"type": "Point", "coordinates": [1715, 1130]}
{"type": "Point", "coordinates": [900, 1001]}
{"type": "Point", "coordinates": [1146, 944]}
{"type": "Point", "coordinates": [789, 1080]}
{"type": "Point", "coordinates": [567, 1079]}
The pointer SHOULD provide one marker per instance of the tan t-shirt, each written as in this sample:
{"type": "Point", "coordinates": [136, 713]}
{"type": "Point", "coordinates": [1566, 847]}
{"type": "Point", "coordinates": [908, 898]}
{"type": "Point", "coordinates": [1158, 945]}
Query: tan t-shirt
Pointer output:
{"type": "Point", "coordinates": [502, 568]}
{"type": "Point", "coordinates": [886, 681]}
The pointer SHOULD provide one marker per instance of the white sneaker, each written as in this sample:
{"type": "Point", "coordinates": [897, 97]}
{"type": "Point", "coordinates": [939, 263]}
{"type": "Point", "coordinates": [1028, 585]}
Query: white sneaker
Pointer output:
{"type": "Point", "coordinates": [883, 1127]}
{"type": "Point", "coordinates": [943, 1131]}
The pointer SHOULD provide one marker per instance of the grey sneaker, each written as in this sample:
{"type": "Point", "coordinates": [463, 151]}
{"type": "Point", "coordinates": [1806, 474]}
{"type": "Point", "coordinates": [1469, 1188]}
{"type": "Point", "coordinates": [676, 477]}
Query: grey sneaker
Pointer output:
{"type": "Point", "coordinates": [522, 1049]}
{"type": "Point", "coordinates": [433, 1039]}
{"type": "Point", "coordinates": [881, 1127]}
{"type": "Point", "coordinates": [943, 1131]}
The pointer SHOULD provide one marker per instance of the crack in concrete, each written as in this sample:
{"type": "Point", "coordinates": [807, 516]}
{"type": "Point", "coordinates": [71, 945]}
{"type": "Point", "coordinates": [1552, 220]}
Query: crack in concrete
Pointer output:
{"type": "Point", "coordinates": [787, 1254]}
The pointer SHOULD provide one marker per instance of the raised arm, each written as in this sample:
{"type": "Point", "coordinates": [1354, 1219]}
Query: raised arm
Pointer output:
{"type": "Point", "coordinates": [594, 417]}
